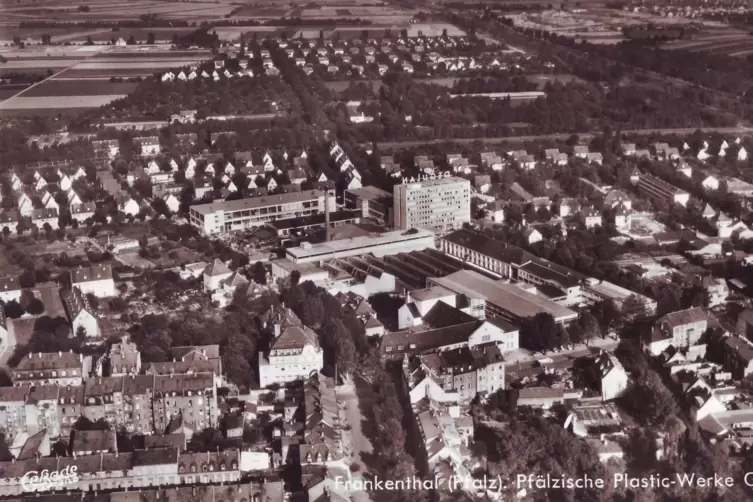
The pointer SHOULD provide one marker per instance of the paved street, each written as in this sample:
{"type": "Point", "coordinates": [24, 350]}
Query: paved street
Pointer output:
{"type": "Point", "coordinates": [355, 443]}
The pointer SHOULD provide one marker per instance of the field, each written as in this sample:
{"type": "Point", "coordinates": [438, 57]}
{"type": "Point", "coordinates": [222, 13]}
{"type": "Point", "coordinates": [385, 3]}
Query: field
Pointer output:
{"type": "Point", "coordinates": [728, 41]}
{"type": "Point", "coordinates": [64, 87]}
{"type": "Point", "coordinates": [66, 10]}
{"type": "Point", "coordinates": [56, 102]}
{"type": "Point", "coordinates": [84, 82]}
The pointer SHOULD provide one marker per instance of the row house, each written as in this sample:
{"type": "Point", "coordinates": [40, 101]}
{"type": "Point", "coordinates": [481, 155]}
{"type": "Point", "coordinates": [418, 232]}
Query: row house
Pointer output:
{"type": "Point", "coordinates": [44, 368]}
{"type": "Point", "coordinates": [129, 471]}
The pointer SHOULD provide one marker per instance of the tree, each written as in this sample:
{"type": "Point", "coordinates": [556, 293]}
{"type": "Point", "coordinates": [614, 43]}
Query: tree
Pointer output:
{"type": "Point", "coordinates": [13, 309]}
{"type": "Point", "coordinates": [540, 332]}
{"type": "Point", "coordinates": [150, 38]}
{"type": "Point", "coordinates": [131, 40]}
{"type": "Point", "coordinates": [295, 276]}
{"type": "Point", "coordinates": [35, 307]}
{"type": "Point", "coordinates": [259, 273]}
{"type": "Point", "coordinates": [589, 327]}
{"type": "Point", "coordinates": [312, 311]}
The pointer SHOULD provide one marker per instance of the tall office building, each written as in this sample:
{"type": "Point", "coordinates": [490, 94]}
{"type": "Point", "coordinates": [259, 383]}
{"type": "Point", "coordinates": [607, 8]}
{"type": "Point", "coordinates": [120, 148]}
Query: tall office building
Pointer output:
{"type": "Point", "coordinates": [440, 204]}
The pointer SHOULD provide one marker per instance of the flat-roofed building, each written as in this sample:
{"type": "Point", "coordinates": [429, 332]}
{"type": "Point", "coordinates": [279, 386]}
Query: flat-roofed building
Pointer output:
{"type": "Point", "coordinates": [630, 303]}
{"type": "Point", "coordinates": [440, 204]}
{"type": "Point", "coordinates": [373, 202]}
{"type": "Point", "coordinates": [227, 216]}
{"type": "Point", "coordinates": [384, 244]}
{"type": "Point", "coordinates": [504, 300]}
{"type": "Point", "coordinates": [655, 188]}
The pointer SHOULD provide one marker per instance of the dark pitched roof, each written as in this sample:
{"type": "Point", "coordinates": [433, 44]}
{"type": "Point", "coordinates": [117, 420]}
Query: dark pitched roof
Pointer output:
{"type": "Point", "coordinates": [216, 268]}
{"type": "Point", "coordinates": [93, 273]}
{"type": "Point", "coordinates": [415, 342]}
{"type": "Point", "coordinates": [442, 315]}
{"type": "Point", "coordinates": [490, 247]}
{"type": "Point", "coordinates": [682, 317]}
{"type": "Point", "coordinates": [93, 440]}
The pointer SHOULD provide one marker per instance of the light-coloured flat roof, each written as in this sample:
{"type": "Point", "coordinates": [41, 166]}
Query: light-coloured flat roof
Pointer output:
{"type": "Point", "coordinates": [508, 297]}
{"type": "Point", "coordinates": [365, 242]}
{"type": "Point", "coordinates": [257, 202]}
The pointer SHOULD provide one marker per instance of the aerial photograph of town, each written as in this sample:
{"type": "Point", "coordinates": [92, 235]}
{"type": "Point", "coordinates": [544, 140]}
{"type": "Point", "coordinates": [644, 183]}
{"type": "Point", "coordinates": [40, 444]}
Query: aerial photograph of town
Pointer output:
{"type": "Point", "coordinates": [376, 251]}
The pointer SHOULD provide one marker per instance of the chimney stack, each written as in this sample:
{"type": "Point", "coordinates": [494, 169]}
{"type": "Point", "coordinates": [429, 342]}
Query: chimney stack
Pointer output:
{"type": "Point", "coordinates": [326, 216]}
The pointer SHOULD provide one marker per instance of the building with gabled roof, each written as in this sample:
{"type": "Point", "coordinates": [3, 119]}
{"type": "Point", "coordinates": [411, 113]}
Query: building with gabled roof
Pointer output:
{"type": "Point", "coordinates": [82, 316]}
{"type": "Point", "coordinates": [214, 274]}
{"type": "Point", "coordinates": [678, 329]}
{"type": "Point", "coordinates": [97, 280]}
{"type": "Point", "coordinates": [44, 368]}
{"type": "Point", "coordinates": [610, 376]}
{"type": "Point", "coordinates": [295, 353]}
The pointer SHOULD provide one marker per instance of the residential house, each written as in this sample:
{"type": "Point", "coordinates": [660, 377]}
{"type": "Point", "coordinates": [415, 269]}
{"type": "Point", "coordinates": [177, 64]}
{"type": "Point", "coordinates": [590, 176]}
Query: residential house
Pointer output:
{"type": "Point", "coordinates": [677, 329]}
{"type": "Point", "coordinates": [10, 288]}
{"type": "Point", "coordinates": [127, 205]}
{"type": "Point", "coordinates": [214, 274]}
{"type": "Point", "coordinates": [172, 202]}
{"type": "Point", "coordinates": [42, 217]}
{"type": "Point", "coordinates": [482, 183]}
{"type": "Point", "coordinates": [295, 352]}
{"type": "Point", "coordinates": [9, 220]}
{"type": "Point", "coordinates": [615, 198]}
{"type": "Point", "coordinates": [580, 151]}
{"type": "Point", "coordinates": [109, 148]}
{"type": "Point", "coordinates": [592, 217]}
{"type": "Point", "coordinates": [97, 280]}
{"type": "Point", "coordinates": [532, 235]}
{"type": "Point", "coordinates": [738, 356]}
{"type": "Point", "coordinates": [123, 359]}
{"type": "Point", "coordinates": [717, 289]}
{"type": "Point", "coordinates": [612, 378]}
{"type": "Point", "coordinates": [82, 316]}
{"type": "Point", "coordinates": [82, 212]}
{"type": "Point", "coordinates": [24, 204]}
{"type": "Point", "coordinates": [45, 368]}
{"type": "Point", "coordinates": [149, 145]}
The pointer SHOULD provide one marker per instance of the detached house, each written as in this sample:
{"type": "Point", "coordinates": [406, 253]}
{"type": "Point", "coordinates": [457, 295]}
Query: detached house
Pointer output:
{"type": "Point", "coordinates": [25, 205]}
{"type": "Point", "coordinates": [109, 148]}
{"type": "Point", "coordinates": [97, 280]}
{"type": "Point", "coordinates": [9, 220]}
{"type": "Point", "coordinates": [42, 217]}
{"type": "Point", "coordinates": [677, 329]}
{"type": "Point", "coordinates": [580, 151]}
{"type": "Point", "coordinates": [611, 376]}
{"type": "Point", "coordinates": [295, 352]}
{"type": "Point", "coordinates": [149, 145]}
{"type": "Point", "coordinates": [81, 314]}
{"type": "Point", "coordinates": [214, 274]}
{"type": "Point", "coordinates": [127, 205]}
{"type": "Point", "coordinates": [10, 288]}
{"type": "Point", "coordinates": [82, 212]}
